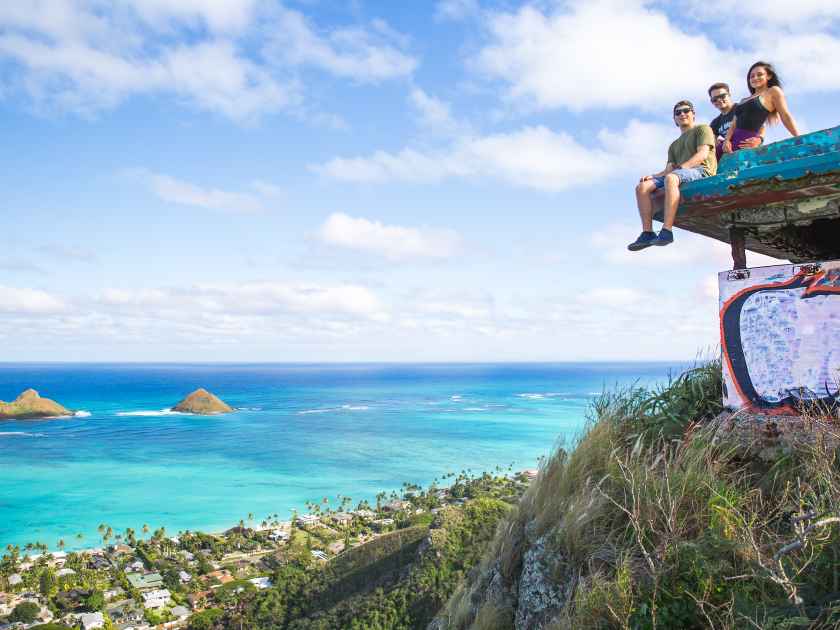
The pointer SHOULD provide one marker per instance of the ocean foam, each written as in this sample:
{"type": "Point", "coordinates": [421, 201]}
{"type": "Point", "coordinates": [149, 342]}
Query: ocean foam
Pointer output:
{"type": "Point", "coordinates": [82, 414]}
{"type": "Point", "coordinates": [159, 412]}
{"type": "Point", "coordinates": [355, 407]}
{"type": "Point", "coordinates": [328, 409]}
{"type": "Point", "coordinates": [21, 434]}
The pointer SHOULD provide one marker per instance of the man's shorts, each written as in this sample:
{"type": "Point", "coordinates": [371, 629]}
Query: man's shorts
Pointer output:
{"type": "Point", "coordinates": [685, 175]}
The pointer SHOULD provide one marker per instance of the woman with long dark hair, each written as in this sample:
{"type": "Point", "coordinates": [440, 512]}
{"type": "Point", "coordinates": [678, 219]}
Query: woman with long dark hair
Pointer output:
{"type": "Point", "coordinates": [767, 104]}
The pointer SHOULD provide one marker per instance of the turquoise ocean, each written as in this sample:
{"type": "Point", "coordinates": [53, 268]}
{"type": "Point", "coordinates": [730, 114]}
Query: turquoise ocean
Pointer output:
{"type": "Point", "coordinates": [301, 432]}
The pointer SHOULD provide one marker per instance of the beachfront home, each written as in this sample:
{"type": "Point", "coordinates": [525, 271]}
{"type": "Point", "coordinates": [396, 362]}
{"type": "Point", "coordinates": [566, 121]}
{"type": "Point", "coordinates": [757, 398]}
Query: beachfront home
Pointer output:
{"type": "Point", "coordinates": [365, 514]}
{"type": "Point", "coordinates": [308, 520]}
{"type": "Point", "coordinates": [279, 535]}
{"type": "Point", "coordinates": [92, 621]}
{"type": "Point", "coordinates": [146, 581]}
{"type": "Point", "coordinates": [342, 518]}
{"type": "Point", "coordinates": [98, 563]}
{"type": "Point", "coordinates": [156, 599]}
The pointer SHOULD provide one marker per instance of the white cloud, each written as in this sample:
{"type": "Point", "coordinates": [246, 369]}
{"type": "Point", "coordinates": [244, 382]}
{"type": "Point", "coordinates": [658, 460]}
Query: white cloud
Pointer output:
{"type": "Point", "coordinates": [456, 9]}
{"type": "Point", "coordinates": [29, 301]}
{"type": "Point", "coordinates": [603, 54]}
{"type": "Point", "coordinates": [433, 112]}
{"type": "Point", "coordinates": [252, 299]}
{"type": "Point", "coordinates": [217, 15]}
{"type": "Point", "coordinates": [185, 193]}
{"type": "Point", "coordinates": [810, 12]}
{"type": "Point", "coordinates": [532, 157]}
{"type": "Point", "coordinates": [395, 242]}
{"type": "Point", "coordinates": [610, 296]}
{"type": "Point", "coordinates": [351, 52]}
{"type": "Point", "coordinates": [88, 55]}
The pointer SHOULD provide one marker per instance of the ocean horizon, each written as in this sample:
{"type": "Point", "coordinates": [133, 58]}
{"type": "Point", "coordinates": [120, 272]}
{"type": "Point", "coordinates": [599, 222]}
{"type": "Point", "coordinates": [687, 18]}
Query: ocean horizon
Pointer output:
{"type": "Point", "coordinates": [300, 432]}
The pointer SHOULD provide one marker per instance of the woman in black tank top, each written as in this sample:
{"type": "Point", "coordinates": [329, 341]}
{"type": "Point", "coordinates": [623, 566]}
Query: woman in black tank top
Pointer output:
{"type": "Point", "coordinates": [766, 105]}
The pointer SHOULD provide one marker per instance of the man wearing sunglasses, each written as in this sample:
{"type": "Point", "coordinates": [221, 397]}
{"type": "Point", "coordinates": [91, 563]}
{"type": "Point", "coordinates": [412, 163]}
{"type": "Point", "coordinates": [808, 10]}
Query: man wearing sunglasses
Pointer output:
{"type": "Point", "coordinates": [690, 157]}
{"type": "Point", "coordinates": [721, 98]}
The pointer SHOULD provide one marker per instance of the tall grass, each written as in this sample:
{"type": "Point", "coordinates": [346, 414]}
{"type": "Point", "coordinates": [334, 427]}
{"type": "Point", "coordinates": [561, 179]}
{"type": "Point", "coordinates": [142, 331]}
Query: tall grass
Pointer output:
{"type": "Point", "coordinates": [663, 521]}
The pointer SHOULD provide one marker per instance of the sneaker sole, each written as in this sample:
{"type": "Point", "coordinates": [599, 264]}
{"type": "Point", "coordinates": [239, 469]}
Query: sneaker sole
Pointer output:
{"type": "Point", "coordinates": [661, 243]}
{"type": "Point", "coordinates": [636, 248]}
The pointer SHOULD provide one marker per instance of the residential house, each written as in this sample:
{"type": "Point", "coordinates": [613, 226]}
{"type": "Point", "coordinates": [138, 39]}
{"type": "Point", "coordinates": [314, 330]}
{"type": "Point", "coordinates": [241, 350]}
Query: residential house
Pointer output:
{"type": "Point", "coordinates": [530, 474]}
{"type": "Point", "coordinates": [336, 547]}
{"type": "Point", "coordinates": [15, 579]}
{"type": "Point", "coordinates": [63, 572]}
{"type": "Point", "coordinates": [279, 535]}
{"type": "Point", "coordinates": [318, 554]}
{"type": "Point", "coordinates": [184, 577]}
{"type": "Point", "coordinates": [145, 581]}
{"type": "Point", "coordinates": [113, 593]}
{"type": "Point", "coordinates": [396, 506]}
{"type": "Point", "coordinates": [308, 520]}
{"type": "Point", "coordinates": [261, 582]}
{"type": "Point", "coordinates": [198, 600]}
{"type": "Point", "coordinates": [135, 567]}
{"type": "Point", "coordinates": [156, 599]}
{"type": "Point", "coordinates": [342, 518]}
{"type": "Point", "coordinates": [180, 612]}
{"type": "Point", "coordinates": [125, 613]}
{"type": "Point", "coordinates": [92, 621]}
{"type": "Point", "coordinates": [365, 514]}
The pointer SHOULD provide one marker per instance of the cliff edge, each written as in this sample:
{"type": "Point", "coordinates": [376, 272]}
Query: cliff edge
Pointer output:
{"type": "Point", "coordinates": [30, 405]}
{"type": "Point", "coordinates": [664, 516]}
{"type": "Point", "coordinates": [203, 403]}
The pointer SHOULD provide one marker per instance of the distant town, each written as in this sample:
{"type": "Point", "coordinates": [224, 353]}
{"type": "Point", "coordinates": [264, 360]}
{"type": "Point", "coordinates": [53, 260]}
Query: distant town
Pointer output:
{"type": "Point", "coordinates": [149, 578]}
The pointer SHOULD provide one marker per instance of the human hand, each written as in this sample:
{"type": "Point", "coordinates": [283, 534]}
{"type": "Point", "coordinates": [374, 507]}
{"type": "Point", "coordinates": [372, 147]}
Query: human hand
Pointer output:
{"type": "Point", "coordinates": [645, 178]}
{"type": "Point", "coordinates": [727, 146]}
{"type": "Point", "coordinates": [750, 143]}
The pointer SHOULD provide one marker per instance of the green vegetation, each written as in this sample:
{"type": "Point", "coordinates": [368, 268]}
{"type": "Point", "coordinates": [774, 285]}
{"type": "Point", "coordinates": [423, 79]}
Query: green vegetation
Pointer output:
{"type": "Point", "coordinates": [26, 612]}
{"type": "Point", "coordinates": [661, 519]}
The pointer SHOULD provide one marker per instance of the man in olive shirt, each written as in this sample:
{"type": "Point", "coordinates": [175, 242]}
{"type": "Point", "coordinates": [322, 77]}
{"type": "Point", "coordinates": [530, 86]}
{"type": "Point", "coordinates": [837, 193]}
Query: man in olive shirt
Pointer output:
{"type": "Point", "coordinates": [690, 157]}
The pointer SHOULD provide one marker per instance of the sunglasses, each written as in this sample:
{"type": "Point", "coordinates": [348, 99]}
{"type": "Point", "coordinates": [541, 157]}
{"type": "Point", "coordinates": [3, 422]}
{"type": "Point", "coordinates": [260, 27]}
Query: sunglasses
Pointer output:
{"type": "Point", "coordinates": [720, 97]}
{"type": "Point", "coordinates": [682, 110]}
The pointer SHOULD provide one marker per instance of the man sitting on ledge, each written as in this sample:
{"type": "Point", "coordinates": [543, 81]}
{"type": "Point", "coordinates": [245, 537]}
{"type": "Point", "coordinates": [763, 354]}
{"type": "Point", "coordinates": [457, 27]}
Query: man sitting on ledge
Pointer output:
{"type": "Point", "coordinates": [690, 157]}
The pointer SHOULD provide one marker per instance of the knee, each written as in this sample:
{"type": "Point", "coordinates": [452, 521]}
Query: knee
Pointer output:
{"type": "Point", "coordinates": [672, 181]}
{"type": "Point", "coordinates": [643, 188]}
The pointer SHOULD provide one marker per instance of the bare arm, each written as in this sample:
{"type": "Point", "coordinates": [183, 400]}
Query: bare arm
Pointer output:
{"type": "Point", "coordinates": [727, 144]}
{"type": "Point", "coordinates": [696, 159]}
{"type": "Point", "coordinates": [780, 105]}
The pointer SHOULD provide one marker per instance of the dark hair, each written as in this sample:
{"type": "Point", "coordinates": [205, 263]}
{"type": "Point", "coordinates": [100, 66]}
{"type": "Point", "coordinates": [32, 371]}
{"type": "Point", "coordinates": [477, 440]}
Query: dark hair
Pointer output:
{"type": "Point", "coordinates": [773, 81]}
{"type": "Point", "coordinates": [689, 103]}
{"type": "Point", "coordinates": [717, 86]}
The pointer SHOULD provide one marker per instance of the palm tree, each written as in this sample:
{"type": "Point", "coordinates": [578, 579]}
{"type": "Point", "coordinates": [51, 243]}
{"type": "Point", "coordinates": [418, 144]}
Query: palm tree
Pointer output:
{"type": "Point", "coordinates": [79, 536]}
{"type": "Point", "coordinates": [61, 544]}
{"type": "Point", "coordinates": [145, 529]}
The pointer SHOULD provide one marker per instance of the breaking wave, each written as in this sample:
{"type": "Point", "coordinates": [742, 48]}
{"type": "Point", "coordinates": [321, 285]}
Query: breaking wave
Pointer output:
{"type": "Point", "coordinates": [159, 412]}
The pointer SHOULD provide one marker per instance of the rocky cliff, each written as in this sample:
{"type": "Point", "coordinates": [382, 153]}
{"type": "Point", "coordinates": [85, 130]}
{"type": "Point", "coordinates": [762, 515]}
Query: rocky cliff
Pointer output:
{"type": "Point", "coordinates": [663, 516]}
{"type": "Point", "coordinates": [203, 403]}
{"type": "Point", "coordinates": [30, 405]}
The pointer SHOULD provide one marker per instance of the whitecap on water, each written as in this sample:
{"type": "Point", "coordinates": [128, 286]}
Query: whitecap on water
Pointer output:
{"type": "Point", "coordinates": [21, 434]}
{"type": "Point", "coordinates": [82, 414]}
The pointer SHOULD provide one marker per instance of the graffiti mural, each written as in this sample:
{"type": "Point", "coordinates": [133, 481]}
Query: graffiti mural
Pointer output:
{"type": "Point", "coordinates": [780, 336]}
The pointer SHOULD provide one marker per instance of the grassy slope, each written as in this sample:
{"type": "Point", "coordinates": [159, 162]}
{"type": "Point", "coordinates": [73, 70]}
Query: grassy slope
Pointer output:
{"type": "Point", "coordinates": [660, 525]}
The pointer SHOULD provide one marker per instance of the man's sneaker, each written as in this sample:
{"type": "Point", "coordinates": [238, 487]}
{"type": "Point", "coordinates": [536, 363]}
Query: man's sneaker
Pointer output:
{"type": "Point", "coordinates": [666, 237]}
{"type": "Point", "coordinates": [646, 239]}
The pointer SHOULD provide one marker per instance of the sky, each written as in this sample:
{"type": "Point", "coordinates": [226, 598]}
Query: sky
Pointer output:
{"type": "Point", "coordinates": [452, 180]}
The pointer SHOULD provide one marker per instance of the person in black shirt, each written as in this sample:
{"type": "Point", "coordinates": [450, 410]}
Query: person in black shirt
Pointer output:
{"type": "Point", "coordinates": [722, 99]}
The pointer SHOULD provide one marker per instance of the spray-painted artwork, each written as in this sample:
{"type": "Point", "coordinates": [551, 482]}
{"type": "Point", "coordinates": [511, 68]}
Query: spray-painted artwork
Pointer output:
{"type": "Point", "coordinates": [780, 336]}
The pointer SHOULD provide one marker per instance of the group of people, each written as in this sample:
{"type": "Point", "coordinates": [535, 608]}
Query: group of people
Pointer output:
{"type": "Point", "coordinates": [695, 154]}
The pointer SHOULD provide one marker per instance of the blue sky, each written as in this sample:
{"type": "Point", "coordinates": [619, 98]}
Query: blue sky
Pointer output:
{"type": "Point", "coordinates": [255, 180]}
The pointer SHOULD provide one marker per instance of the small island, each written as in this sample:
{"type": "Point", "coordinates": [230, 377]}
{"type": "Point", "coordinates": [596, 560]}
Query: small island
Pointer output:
{"type": "Point", "coordinates": [203, 403]}
{"type": "Point", "coordinates": [30, 406]}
